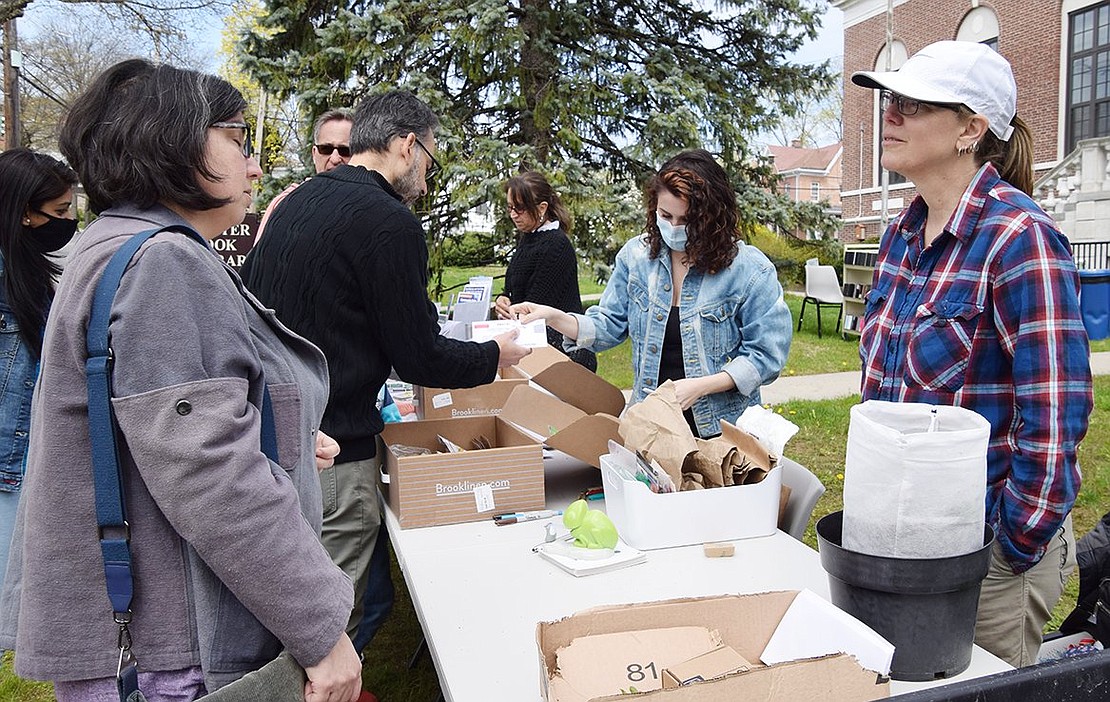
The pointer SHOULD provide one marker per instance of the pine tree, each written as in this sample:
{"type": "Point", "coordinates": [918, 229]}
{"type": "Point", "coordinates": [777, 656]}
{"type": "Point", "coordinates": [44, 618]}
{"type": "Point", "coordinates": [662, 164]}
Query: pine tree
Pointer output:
{"type": "Point", "coordinates": [594, 93]}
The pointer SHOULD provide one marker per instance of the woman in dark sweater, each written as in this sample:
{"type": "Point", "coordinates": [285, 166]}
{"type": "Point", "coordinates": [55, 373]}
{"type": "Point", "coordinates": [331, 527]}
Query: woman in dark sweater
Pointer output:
{"type": "Point", "coordinates": [544, 267]}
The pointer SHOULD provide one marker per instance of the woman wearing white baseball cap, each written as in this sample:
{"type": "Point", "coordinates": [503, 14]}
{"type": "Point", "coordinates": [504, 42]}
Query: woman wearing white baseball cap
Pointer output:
{"type": "Point", "coordinates": [975, 303]}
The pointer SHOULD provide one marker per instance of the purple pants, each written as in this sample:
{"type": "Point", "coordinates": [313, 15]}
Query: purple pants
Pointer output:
{"type": "Point", "coordinates": [183, 685]}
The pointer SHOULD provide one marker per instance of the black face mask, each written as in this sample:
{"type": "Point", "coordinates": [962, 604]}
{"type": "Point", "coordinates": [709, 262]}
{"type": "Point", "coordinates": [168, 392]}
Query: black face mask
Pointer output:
{"type": "Point", "coordinates": [51, 235]}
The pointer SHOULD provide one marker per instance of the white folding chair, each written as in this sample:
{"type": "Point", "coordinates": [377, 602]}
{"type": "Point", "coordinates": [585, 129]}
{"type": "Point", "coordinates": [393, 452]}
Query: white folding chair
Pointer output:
{"type": "Point", "coordinates": [822, 289]}
{"type": "Point", "coordinates": [805, 489]}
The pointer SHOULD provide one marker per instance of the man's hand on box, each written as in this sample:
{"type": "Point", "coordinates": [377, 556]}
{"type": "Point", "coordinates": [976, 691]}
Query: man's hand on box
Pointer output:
{"type": "Point", "coordinates": [510, 351]}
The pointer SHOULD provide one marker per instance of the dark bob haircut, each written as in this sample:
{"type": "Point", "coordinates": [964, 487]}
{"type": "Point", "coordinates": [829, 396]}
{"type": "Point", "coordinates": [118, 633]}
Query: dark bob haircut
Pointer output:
{"type": "Point", "coordinates": [712, 222]}
{"type": "Point", "coordinates": [138, 135]}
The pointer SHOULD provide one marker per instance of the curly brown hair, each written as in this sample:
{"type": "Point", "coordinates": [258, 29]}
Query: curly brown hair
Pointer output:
{"type": "Point", "coordinates": [712, 222]}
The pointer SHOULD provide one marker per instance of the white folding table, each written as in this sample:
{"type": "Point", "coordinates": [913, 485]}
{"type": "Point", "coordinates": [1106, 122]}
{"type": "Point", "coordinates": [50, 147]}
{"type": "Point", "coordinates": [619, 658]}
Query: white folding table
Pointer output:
{"type": "Point", "coordinates": [479, 590]}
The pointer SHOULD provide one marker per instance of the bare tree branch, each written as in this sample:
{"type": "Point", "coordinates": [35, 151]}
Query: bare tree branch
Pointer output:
{"type": "Point", "coordinates": [164, 16]}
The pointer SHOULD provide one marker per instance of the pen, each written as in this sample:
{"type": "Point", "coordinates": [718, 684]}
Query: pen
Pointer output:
{"type": "Point", "coordinates": [537, 514]}
{"type": "Point", "coordinates": [505, 519]}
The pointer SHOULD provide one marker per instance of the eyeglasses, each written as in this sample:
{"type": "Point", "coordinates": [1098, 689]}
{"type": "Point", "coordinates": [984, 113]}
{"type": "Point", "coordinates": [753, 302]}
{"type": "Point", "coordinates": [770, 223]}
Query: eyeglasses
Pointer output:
{"type": "Point", "coordinates": [327, 149]}
{"type": "Point", "coordinates": [246, 145]}
{"type": "Point", "coordinates": [516, 210]}
{"type": "Point", "coordinates": [908, 107]}
{"type": "Point", "coordinates": [434, 167]}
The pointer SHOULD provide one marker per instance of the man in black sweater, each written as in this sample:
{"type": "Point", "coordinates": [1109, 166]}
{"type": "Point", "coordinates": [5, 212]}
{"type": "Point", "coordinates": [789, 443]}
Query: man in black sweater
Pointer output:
{"type": "Point", "coordinates": [345, 264]}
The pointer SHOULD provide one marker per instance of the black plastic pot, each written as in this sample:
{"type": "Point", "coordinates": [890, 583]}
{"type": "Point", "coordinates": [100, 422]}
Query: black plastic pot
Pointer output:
{"type": "Point", "coordinates": [924, 606]}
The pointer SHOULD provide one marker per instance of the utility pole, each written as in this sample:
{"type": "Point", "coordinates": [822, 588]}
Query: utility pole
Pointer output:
{"type": "Point", "coordinates": [260, 127]}
{"type": "Point", "coordinates": [13, 60]}
{"type": "Point", "coordinates": [884, 215]}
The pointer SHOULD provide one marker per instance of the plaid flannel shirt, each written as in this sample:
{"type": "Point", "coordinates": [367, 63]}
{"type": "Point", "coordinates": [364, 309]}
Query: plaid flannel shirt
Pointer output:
{"type": "Point", "coordinates": [988, 318]}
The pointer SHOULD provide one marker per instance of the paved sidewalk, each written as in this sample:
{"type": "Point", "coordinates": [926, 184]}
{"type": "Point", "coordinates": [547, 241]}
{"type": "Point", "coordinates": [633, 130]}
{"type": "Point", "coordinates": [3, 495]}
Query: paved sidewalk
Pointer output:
{"type": "Point", "coordinates": [827, 386]}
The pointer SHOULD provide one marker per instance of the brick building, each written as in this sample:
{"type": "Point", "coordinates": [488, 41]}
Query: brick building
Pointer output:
{"type": "Point", "coordinates": [1060, 53]}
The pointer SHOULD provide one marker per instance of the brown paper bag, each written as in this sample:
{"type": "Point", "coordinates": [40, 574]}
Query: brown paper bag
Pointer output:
{"type": "Point", "coordinates": [657, 428]}
{"type": "Point", "coordinates": [709, 462]}
{"type": "Point", "coordinates": [751, 461]}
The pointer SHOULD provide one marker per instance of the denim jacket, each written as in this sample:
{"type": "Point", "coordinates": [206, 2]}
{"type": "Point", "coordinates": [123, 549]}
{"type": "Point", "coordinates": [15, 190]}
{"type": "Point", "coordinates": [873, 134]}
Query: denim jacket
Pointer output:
{"type": "Point", "coordinates": [17, 383]}
{"type": "Point", "coordinates": [734, 320]}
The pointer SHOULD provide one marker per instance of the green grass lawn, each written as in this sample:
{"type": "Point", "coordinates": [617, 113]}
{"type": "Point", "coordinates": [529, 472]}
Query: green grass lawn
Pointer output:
{"type": "Point", "coordinates": [453, 277]}
{"type": "Point", "coordinates": [808, 354]}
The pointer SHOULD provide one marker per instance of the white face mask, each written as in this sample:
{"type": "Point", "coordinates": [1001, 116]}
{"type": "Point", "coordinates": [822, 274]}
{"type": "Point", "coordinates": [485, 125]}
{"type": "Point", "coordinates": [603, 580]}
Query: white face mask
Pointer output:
{"type": "Point", "coordinates": [673, 236]}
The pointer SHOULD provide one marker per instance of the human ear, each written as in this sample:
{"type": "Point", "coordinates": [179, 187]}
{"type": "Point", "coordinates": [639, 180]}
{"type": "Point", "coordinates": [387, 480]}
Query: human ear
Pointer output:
{"type": "Point", "coordinates": [975, 128]}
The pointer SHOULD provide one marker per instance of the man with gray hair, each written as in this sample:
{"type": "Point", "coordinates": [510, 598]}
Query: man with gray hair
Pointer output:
{"type": "Point", "coordinates": [344, 263]}
{"type": "Point", "coordinates": [331, 147]}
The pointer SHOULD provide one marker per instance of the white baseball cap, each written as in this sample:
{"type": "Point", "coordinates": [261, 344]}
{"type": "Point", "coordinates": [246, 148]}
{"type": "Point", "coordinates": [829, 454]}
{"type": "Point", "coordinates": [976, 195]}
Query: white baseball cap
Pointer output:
{"type": "Point", "coordinates": [955, 73]}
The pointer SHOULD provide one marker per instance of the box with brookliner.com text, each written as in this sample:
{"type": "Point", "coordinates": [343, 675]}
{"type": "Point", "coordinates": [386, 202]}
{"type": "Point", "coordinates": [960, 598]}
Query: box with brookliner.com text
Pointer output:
{"type": "Point", "coordinates": [475, 484]}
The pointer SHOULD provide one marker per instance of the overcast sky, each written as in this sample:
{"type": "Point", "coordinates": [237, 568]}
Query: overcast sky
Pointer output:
{"type": "Point", "coordinates": [830, 43]}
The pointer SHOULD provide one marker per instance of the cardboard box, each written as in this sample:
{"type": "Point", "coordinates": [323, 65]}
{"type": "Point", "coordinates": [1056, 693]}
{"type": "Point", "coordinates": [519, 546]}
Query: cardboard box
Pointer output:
{"type": "Point", "coordinates": [746, 623]}
{"type": "Point", "coordinates": [574, 410]}
{"type": "Point", "coordinates": [648, 520]}
{"type": "Point", "coordinates": [440, 488]}
{"type": "Point", "coordinates": [488, 399]}
{"type": "Point", "coordinates": [721, 661]}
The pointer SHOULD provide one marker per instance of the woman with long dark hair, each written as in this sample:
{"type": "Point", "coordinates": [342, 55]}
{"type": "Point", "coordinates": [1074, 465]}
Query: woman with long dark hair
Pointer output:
{"type": "Point", "coordinates": [36, 219]}
{"type": "Point", "coordinates": [223, 526]}
{"type": "Point", "coordinates": [702, 308]}
{"type": "Point", "coordinates": [544, 266]}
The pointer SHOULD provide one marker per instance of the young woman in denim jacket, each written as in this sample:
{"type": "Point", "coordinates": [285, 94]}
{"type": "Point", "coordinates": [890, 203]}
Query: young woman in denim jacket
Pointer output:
{"type": "Point", "coordinates": [36, 219]}
{"type": "Point", "coordinates": [702, 308]}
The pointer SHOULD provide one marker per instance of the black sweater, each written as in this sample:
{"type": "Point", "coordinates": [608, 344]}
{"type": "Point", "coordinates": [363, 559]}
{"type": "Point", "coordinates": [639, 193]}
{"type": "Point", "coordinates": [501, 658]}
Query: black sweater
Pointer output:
{"type": "Point", "coordinates": [345, 264]}
{"type": "Point", "coordinates": [544, 270]}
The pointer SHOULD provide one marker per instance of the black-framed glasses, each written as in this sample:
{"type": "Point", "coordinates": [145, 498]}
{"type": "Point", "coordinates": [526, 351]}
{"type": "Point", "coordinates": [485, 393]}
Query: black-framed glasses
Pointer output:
{"type": "Point", "coordinates": [434, 168]}
{"type": "Point", "coordinates": [327, 149]}
{"type": "Point", "coordinates": [516, 210]}
{"type": "Point", "coordinates": [246, 145]}
{"type": "Point", "coordinates": [908, 107]}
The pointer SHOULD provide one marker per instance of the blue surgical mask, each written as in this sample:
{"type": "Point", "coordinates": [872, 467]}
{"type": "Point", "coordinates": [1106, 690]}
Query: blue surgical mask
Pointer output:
{"type": "Point", "coordinates": [673, 236]}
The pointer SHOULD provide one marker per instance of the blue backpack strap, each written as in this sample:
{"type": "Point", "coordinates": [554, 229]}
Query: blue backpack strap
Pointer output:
{"type": "Point", "coordinates": [111, 513]}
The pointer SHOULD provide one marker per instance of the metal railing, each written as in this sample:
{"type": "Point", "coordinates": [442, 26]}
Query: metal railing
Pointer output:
{"type": "Point", "coordinates": [1091, 255]}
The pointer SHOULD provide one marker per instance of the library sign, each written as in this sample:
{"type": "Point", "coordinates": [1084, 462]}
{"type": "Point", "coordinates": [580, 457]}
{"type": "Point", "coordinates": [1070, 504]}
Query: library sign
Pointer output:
{"type": "Point", "coordinates": [235, 243]}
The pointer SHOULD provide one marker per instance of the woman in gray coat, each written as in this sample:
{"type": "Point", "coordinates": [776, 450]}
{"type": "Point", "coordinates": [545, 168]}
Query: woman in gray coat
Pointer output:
{"type": "Point", "coordinates": [227, 563]}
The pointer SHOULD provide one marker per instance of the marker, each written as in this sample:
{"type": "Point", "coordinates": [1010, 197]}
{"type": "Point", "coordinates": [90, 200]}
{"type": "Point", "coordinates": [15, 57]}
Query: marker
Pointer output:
{"type": "Point", "coordinates": [505, 519]}
{"type": "Point", "coordinates": [542, 514]}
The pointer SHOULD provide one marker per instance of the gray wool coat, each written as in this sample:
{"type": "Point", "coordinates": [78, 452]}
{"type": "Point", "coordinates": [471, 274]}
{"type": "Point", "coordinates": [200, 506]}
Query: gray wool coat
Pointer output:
{"type": "Point", "coordinates": [225, 544]}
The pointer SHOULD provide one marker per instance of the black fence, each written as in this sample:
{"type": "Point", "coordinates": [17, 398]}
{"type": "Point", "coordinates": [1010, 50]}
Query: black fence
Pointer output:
{"type": "Point", "coordinates": [1091, 255]}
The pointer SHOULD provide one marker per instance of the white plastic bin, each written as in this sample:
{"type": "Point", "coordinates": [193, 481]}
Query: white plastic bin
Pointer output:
{"type": "Point", "coordinates": [647, 520]}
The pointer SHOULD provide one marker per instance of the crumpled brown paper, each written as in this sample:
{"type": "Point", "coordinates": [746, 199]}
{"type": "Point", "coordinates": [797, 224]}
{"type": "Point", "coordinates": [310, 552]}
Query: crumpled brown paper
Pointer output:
{"type": "Point", "coordinates": [657, 428]}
